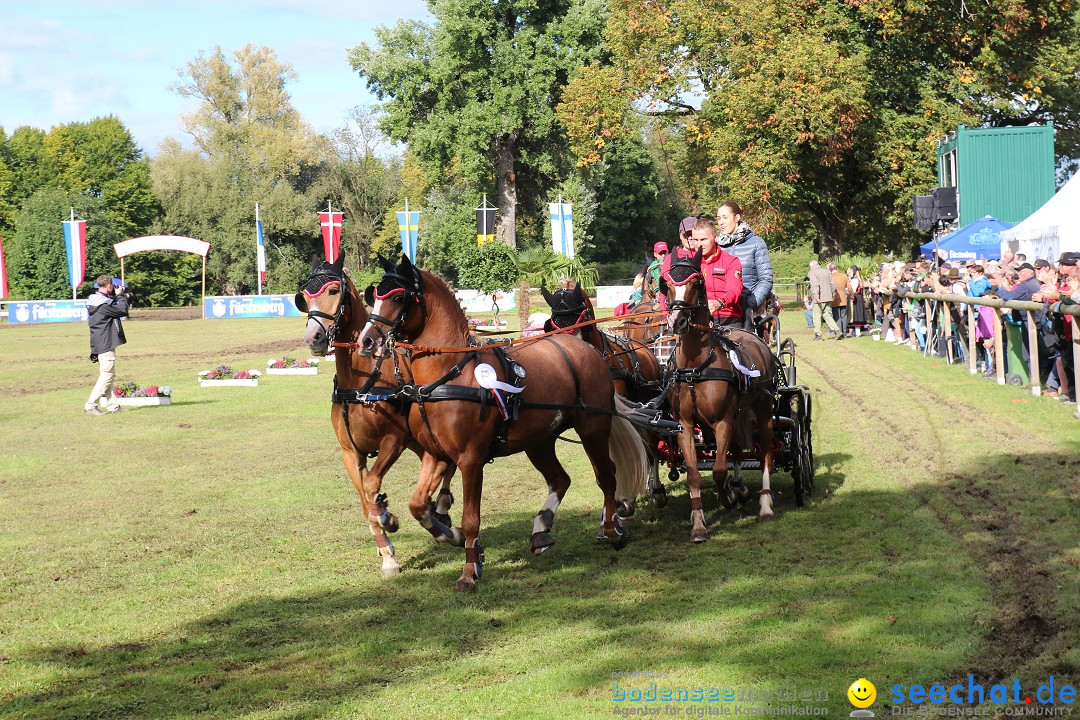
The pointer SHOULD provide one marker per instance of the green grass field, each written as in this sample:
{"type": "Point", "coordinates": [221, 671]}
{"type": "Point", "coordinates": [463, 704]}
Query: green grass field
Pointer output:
{"type": "Point", "coordinates": [208, 559]}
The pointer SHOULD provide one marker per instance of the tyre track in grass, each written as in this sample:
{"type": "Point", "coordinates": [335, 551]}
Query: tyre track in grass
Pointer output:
{"type": "Point", "coordinates": [1024, 622]}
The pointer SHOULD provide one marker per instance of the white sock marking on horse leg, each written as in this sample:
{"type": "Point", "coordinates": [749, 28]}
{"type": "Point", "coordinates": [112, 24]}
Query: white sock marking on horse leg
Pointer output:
{"type": "Point", "coordinates": [552, 504]}
{"type": "Point", "coordinates": [765, 500]}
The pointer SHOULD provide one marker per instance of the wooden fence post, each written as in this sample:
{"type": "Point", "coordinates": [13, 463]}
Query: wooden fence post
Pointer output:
{"type": "Point", "coordinates": [999, 350]}
{"type": "Point", "coordinates": [1033, 354]}
{"type": "Point", "coordinates": [946, 324]}
{"type": "Point", "coordinates": [973, 345]}
{"type": "Point", "coordinates": [1076, 359]}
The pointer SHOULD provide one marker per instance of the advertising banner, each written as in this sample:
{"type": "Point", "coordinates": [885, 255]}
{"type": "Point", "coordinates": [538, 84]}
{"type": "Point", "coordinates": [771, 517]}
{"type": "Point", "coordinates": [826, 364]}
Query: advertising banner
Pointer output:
{"type": "Point", "coordinates": [38, 311]}
{"type": "Point", "coordinates": [231, 307]}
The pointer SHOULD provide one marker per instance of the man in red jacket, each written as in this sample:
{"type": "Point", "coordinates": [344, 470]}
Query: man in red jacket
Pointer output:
{"type": "Point", "coordinates": [722, 273]}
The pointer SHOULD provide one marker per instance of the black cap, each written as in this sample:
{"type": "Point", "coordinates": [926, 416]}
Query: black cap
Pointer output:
{"type": "Point", "coordinates": [1025, 266]}
{"type": "Point", "coordinates": [1068, 258]}
{"type": "Point", "coordinates": [1040, 263]}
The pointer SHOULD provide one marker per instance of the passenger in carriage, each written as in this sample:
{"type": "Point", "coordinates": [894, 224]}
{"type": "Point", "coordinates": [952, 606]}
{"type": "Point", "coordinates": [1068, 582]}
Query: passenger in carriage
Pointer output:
{"type": "Point", "coordinates": [736, 238]}
{"type": "Point", "coordinates": [686, 228]}
{"type": "Point", "coordinates": [722, 273]}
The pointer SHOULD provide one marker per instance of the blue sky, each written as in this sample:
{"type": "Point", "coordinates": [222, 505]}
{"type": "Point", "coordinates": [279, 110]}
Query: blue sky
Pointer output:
{"type": "Point", "coordinates": [63, 61]}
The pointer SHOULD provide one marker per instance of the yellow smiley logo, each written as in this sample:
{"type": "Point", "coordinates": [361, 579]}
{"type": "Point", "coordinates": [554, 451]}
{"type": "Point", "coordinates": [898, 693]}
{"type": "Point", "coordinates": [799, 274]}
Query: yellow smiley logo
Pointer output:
{"type": "Point", "coordinates": [862, 693]}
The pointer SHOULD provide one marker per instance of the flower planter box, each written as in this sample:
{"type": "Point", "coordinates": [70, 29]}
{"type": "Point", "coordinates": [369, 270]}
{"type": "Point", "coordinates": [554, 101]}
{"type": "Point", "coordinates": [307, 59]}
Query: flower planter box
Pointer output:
{"type": "Point", "coordinates": [140, 401]}
{"type": "Point", "coordinates": [313, 370]}
{"type": "Point", "coordinates": [231, 382]}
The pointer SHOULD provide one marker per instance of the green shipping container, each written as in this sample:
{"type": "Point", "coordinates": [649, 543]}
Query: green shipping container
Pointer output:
{"type": "Point", "coordinates": [1005, 172]}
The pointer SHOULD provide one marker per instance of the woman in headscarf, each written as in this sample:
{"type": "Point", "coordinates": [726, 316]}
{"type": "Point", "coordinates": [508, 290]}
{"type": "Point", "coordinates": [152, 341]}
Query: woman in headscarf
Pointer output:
{"type": "Point", "coordinates": [736, 237]}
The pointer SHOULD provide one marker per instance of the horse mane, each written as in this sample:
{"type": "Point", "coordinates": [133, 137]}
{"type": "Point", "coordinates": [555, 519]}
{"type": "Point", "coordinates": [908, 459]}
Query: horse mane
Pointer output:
{"type": "Point", "coordinates": [442, 303]}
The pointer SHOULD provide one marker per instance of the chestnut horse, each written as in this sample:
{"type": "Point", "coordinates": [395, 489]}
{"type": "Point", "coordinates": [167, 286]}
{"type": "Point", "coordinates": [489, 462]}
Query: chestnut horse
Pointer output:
{"type": "Point", "coordinates": [472, 403]}
{"type": "Point", "coordinates": [712, 393]}
{"type": "Point", "coordinates": [644, 330]}
{"type": "Point", "coordinates": [363, 426]}
{"type": "Point", "coordinates": [635, 372]}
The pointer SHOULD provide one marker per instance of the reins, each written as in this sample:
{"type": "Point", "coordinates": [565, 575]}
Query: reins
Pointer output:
{"type": "Point", "coordinates": [505, 343]}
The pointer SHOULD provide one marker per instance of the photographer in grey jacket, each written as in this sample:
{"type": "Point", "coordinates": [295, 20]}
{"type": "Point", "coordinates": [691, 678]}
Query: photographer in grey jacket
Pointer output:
{"type": "Point", "coordinates": [104, 309]}
{"type": "Point", "coordinates": [736, 237]}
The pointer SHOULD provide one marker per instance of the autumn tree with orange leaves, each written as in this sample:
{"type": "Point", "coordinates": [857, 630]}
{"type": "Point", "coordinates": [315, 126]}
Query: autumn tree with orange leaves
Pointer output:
{"type": "Point", "coordinates": [824, 114]}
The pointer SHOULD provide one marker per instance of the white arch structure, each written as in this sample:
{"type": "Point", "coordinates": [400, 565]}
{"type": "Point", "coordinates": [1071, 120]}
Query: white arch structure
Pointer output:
{"type": "Point", "coordinates": [164, 242]}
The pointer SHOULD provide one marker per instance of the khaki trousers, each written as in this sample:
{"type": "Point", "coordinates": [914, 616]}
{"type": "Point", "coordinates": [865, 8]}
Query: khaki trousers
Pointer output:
{"type": "Point", "coordinates": [820, 309]}
{"type": "Point", "coordinates": [104, 386]}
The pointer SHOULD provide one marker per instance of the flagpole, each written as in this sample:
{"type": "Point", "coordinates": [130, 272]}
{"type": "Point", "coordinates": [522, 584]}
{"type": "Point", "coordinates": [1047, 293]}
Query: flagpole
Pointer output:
{"type": "Point", "coordinates": [408, 228]}
{"type": "Point", "coordinates": [258, 273]}
{"type": "Point", "coordinates": [74, 241]}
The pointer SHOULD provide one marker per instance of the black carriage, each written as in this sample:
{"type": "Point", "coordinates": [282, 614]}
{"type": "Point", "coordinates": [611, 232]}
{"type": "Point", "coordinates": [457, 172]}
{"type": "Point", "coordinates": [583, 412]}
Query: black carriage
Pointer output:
{"type": "Point", "coordinates": [793, 446]}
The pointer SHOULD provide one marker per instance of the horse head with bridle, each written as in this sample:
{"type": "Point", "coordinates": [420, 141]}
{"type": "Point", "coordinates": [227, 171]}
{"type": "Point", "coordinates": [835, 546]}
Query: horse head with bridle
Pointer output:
{"type": "Point", "coordinates": [472, 402]}
{"type": "Point", "coordinates": [634, 369]}
{"type": "Point", "coordinates": [366, 423]}
{"type": "Point", "coordinates": [725, 383]}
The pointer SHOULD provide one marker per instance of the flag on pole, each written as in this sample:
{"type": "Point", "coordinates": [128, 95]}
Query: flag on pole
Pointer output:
{"type": "Point", "coordinates": [562, 228]}
{"type": "Point", "coordinates": [75, 242]}
{"type": "Point", "coordinates": [409, 232]}
{"type": "Point", "coordinates": [485, 223]}
{"type": "Point", "coordinates": [331, 233]}
{"type": "Point", "coordinates": [3, 272]}
{"type": "Point", "coordinates": [260, 249]}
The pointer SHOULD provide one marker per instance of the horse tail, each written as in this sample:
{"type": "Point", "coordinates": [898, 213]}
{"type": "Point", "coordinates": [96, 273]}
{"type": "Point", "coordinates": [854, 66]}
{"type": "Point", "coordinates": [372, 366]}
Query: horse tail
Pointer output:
{"type": "Point", "coordinates": [628, 452]}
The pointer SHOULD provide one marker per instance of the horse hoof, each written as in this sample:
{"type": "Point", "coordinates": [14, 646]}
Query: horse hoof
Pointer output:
{"type": "Point", "coordinates": [444, 519]}
{"type": "Point", "coordinates": [540, 542]}
{"type": "Point", "coordinates": [659, 497]}
{"type": "Point", "coordinates": [727, 499]}
{"type": "Point", "coordinates": [621, 541]}
{"type": "Point", "coordinates": [699, 536]}
{"type": "Point", "coordinates": [465, 585]}
{"type": "Point", "coordinates": [391, 571]}
{"type": "Point", "coordinates": [766, 517]}
{"type": "Point", "coordinates": [625, 508]}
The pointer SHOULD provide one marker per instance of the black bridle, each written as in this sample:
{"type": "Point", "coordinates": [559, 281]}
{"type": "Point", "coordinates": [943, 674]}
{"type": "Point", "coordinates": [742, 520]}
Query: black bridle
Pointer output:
{"type": "Point", "coordinates": [394, 281]}
{"type": "Point", "coordinates": [315, 285]}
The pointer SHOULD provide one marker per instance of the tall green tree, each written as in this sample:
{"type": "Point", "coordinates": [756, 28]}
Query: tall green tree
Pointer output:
{"type": "Point", "coordinates": [36, 256]}
{"type": "Point", "coordinates": [250, 145]}
{"type": "Point", "coordinates": [478, 88]}
{"type": "Point", "coordinates": [825, 113]}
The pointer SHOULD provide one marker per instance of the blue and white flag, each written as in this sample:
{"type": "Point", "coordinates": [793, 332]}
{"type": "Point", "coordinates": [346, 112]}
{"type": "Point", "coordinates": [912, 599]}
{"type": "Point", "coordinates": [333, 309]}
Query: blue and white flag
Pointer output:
{"type": "Point", "coordinates": [562, 228]}
{"type": "Point", "coordinates": [409, 227]}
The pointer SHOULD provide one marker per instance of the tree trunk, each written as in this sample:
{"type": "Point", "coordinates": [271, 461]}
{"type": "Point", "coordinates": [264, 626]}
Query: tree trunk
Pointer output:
{"type": "Point", "coordinates": [506, 188]}
{"type": "Point", "coordinates": [523, 305]}
{"type": "Point", "coordinates": [832, 230]}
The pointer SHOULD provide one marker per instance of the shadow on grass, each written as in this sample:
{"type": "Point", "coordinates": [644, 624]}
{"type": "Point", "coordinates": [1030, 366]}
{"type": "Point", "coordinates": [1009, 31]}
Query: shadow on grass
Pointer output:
{"type": "Point", "coordinates": [807, 598]}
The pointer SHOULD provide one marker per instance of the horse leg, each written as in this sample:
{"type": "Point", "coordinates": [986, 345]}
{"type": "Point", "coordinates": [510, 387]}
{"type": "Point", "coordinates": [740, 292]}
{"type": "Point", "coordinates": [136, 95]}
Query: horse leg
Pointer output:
{"type": "Point", "coordinates": [432, 472]}
{"type": "Point", "coordinates": [765, 511]}
{"type": "Point", "coordinates": [723, 431]}
{"type": "Point", "coordinates": [390, 449]}
{"type": "Point", "coordinates": [544, 459]}
{"type": "Point", "coordinates": [445, 499]}
{"type": "Point", "coordinates": [472, 484]}
{"type": "Point", "coordinates": [595, 434]}
{"type": "Point", "coordinates": [724, 488]}
{"type": "Point", "coordinates": [367, 485]}
{"type": "Point", "coordinates": [698, 532]}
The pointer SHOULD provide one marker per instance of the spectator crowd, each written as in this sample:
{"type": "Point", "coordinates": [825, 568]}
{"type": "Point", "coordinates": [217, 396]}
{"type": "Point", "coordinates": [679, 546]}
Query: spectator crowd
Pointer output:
{"type": "Point", "coordinates": [849, 304]}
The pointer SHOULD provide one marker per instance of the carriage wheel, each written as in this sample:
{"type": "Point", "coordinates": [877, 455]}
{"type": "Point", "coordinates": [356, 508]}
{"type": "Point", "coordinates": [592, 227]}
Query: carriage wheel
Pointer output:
{"type": "Point", "coordinates": [808, 463]}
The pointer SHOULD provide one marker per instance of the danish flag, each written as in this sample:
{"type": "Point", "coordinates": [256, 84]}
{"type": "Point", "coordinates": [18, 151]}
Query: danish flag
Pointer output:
{"type": "Point", "coordinates": [331, 234]}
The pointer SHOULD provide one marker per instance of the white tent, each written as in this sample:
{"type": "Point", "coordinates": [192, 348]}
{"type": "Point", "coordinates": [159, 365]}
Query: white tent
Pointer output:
{"type": "Point", "coordinates": [1050, 230]}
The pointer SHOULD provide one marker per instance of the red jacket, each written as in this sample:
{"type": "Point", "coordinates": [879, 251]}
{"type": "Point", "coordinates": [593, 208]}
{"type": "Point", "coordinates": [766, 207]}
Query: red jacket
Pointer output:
{"type": "Point", "coordinates": [723, 281]}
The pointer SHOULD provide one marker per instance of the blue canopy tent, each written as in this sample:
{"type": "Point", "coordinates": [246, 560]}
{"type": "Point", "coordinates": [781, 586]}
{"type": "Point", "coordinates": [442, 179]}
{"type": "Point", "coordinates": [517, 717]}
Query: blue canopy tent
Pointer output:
{"type": "Point", "coordinates": [980, 239]}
